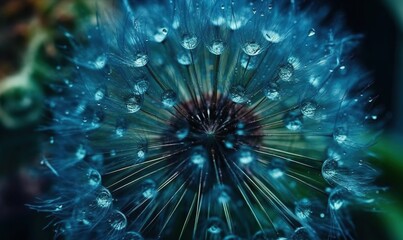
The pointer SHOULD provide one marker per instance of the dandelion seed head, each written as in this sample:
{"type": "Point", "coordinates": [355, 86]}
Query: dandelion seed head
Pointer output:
{"type": "Point", "coordinates": [210, 120]}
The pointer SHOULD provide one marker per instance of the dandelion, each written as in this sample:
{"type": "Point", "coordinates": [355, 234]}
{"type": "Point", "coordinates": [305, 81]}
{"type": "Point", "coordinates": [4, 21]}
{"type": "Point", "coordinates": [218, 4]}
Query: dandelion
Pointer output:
{"type": "Point", "coordinates": [210, 120]}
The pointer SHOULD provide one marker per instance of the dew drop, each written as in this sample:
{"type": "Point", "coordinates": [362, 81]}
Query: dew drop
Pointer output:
{"type": "Point", "coordinates": [215, 226]}
{"type": "Point", "coordinates": [311, 32]}
{"type": "Point", "coordinates": [252, 48]}
{"type": "Point", "coordinates": [336, 200]}
{"type": "Point", "coordinates": [99, 62]}
{"type": "Point", "coordinates": [238, 94]}
{"type": "Point", "coordinates": [198, 156]}
{"type": "Point", "coordinates": [276, 168]}
{"type": "Point", "coordinates": [81, 152]}
{"type": "Point", "coordinates": [100, 94]}
{"type": "Point", "coordinates": [272, 92]}
{"type": "Point", "coordinates": [169, 98]}
{"type": "Point", "coordinates": [303, 209]}
{"type": "Point", "coordinates": [245, 156]}
{"type": "Point", "coordinates": [133, 104]}
{"type": "Point", "coordinates": [340, 135]}
{"type": "Point", "coordinates": [148, 189]}
{"type": "Point", "coordinates": [293, 121]}
{"type": "Point", "coordinates": [117, 220]}
{"type": "Point", "coordinates": [184, 58]}
{"type": "Point", "coordinates": [140, 86]}
{"type": "Point", "coordinates": [329, 169]}
{"type": "Point", "coordinates": [160, 35]}
{"type": "Point", "coordinates": [301, 233]}
{"type": "Point", "coordinates": [104, 198]}
{"type": "Point", "coordinates": [120, 129]}
{"type": "Point", "coordinates": [140, 60]}
{"type": "Point", "coordinates": [216, 47]}
{"type": "Point", "coordinates": [286, 72]}
{"type": "Point", "coordinates": [189, 41]}
{"type": "Point", "coordinates": [308, 109]}
{"type": "Point", "coordinates": [272, 36]}
{"type": "Point", "coordinates": [94, 178]}
{"type": "Point", "coordinates": [182, 133]}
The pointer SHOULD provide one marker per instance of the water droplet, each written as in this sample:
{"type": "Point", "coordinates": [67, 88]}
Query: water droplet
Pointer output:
{"type": "Point", "coordinates": [238, 94]}
{"type": "Point", "coordinates": [272, 36]}
{"type": "Point", "coordinates": [117, 220]}
{"type": "Point", "coordinates": [161, 34]}
{"type": "Point", "coordinates": [215, 226]}
{"type": "Point", "coordinates": [245, 155]}
{"type": "Point", "coordinates": [104, 198]}
{"type": "Point", "coordinates": [311, 32]}
{"type": "Point", "coordinates": [303, 209]}
{"type": "Point", "coordinates": [336, 200]}
{"type": "Point", "coordinates": [222, 194]}
{"type": "Point", "coordinates": [329, 169]}
{"type": "Point", "coordinates": [229, 141]}
{"type": "Point", "coordinates": [272, 92]}
{"type": "Point", "coordinates": [141, 154]}
{"type": "Point", "coordinates": [308, 109]}
{"type": "Point", "coordinates": [133, 104]}
{"type": "Point", "coordinates": [100, 94]}
{"type": "Point", "coordinates": [276, 168]}
{"type": "Point", "coordinates": [58, 208]}
{"type": "Point", "coordinates": [169, 98]}
{"type": "Point", "coordinates": [99, 62]}
{"type": "Point", "coordinates": [293, 121]}
{"type": "Point", "coordinates": [140, 86]}
{"type": "Point", "coordinates": [286, 72]}
{"type": "Point", "coordinates": [121, 127]}
{"type": "Point", "coordinates": [148, 189]}
{"type": "Point", "coordinates": [301, 233]}
{"type": "Point", "coordinates": [81, 152]}
{"type": "Point", "coordinates": [140, 60]}
{"type": "Point", "coordinates": [198, 156]}
{"type": "Point", "coordinates": [94, 178]}
{"type": "Point", "coordinates": [216, 47]}
{"type": "Point", "coordinates": [184, 58]}
{"type": "Point", "coordinates": [252, 48]}
{"type": "Point", "coordinates": [343, 70]}
{"type": "Point", "coordinates": [189, 41]}
{"type": "Point", "coordinates": [340, 134]}
{"type": "Point", "coordinates": [132, 236]}
{"type": "Point", "coordinates": [51, 140]}
{"type": "Point", "coordinates": [182, 133]}
{"type": "Point", "coordinates": [334, 153]}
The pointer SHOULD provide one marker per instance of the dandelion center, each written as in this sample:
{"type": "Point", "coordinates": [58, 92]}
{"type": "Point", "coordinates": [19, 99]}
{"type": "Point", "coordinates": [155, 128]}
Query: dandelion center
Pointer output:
{"type": "Point", "coordinates": [213, 130]}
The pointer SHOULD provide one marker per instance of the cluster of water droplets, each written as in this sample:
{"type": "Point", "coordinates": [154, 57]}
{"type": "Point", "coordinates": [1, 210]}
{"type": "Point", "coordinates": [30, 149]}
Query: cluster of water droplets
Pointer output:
{"type": "Point", "coordinates": [244, 113]}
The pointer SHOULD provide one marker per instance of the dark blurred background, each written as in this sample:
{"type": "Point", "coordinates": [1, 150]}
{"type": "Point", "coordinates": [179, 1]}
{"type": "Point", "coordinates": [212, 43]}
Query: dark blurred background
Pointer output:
{"type": "Point", "coordinates": [29, 33]}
